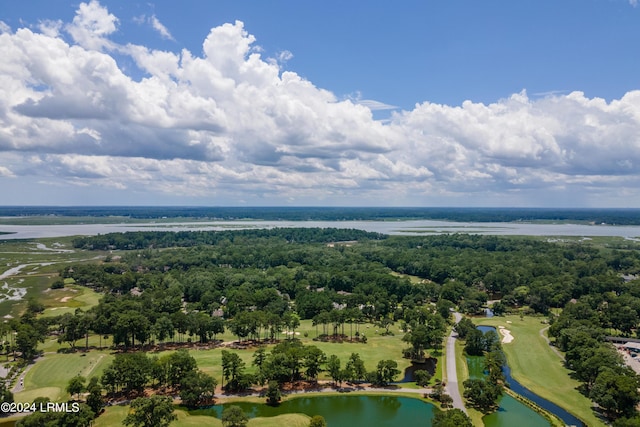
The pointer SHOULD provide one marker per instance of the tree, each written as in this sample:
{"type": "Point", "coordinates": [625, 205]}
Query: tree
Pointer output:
{"type": "Point", "coordinates": [154, 411]}
{"type": "Point", "coordinates": [313, 360]}
{"type": "Point", "coordinates": [5, 394]}
{"type": "Point", "coordinates": [163, 328]}
{"type": "Point", "coordinates": [94, 399]}
{"type": "Point", "coordinates": [128, 370]}
{"type": "Point", "coordinates": [83, 418]}
{"type": "Point", "coordinates": [232, 370]}
{"type": "Point", "coordinates": [422, 377]}
{"type": "Point", "coordinates": [464, 326]}
{"type": "Point", "coordinates": [273, 393]}
{"type": "Point", "coordinates": [196, 388]}
{"type": "Point", "coordinates": [317, 421]}
{"type": "Point", "coordinates": [386, 371]}
{"type": "Point", "coordinates": [27, 338]}
{"type": "Point", "coordinates": [482, 394]}
{"type": "Point", "coordinates": [475, 343]}
{"type": "Point", "coordinates": [180, 364]}
{"type": "Point", "coordinates": [616, 392]}
{"type": "Point", "coordinates": [452, 418]}
{"type": "Point", "coordinates": [76, 385]}
{"type": "Point", "coordinates": [355, 367]}
{"type": "Point", "coordinates": [333, 367]}
{"type": "Point", "coordinates": [233, 416]}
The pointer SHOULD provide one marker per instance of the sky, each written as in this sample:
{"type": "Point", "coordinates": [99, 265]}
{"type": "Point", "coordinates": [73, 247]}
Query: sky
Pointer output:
{"type": "Point", "coordinates": [529, 103]}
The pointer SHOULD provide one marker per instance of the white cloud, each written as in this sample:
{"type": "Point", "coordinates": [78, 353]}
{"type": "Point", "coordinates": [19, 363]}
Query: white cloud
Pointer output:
{"type": "Point", "coordinates": [6, 172]}
{"type": "Point", "coordinates": [161, 29]}
{"type": "Point", "coordinates": [230, 124]}
{"type": "Point", "coordinates": [4, 27]}
{"type": "Point", "coordinates": [376, 105]}
{"type": "Point", "coordinates": [633, 3]}
{"type": "Point", "coordinates": [91, 25]}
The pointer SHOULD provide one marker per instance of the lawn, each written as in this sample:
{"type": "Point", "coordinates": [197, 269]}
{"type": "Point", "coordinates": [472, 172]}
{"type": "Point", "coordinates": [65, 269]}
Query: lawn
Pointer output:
{"type": "Point", "coordinates": [378, 347]}
{"type": "Point", "coordinates": [49, 377]}
{"type": "Point", "coordinates": [536, 366]}
{"type": "Point", "coordinates": [68, 299]}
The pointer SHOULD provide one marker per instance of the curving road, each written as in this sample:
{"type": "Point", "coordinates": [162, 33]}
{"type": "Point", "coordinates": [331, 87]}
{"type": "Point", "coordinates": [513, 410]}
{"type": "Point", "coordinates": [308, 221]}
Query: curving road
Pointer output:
{"type": "Point", "coordinates": [452, 375]}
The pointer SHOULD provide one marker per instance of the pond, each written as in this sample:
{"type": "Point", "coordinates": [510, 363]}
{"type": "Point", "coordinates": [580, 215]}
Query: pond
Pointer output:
{"type": "Point", "coordinates": [347, 411]}
{"type": "Point", "coordinates": [511, 412]}
{"type": "Point", "coordinates": [428, 365]}
{"type": "Point", "coordinates": [477, 367]}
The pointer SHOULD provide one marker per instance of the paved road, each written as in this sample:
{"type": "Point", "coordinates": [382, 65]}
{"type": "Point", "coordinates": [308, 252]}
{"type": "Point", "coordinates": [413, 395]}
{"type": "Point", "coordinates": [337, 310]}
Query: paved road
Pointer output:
{"type": "Point", "coordinates": [452, 376]}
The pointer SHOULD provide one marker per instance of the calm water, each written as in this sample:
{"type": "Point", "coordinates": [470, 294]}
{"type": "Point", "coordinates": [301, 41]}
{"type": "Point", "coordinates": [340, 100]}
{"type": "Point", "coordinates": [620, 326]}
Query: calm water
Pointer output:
{"type": "Point", "coordinates": [417, 227]}
{"type": "Point", "coordinates": [476, 366]}
{"type": "Point", "coordinates": [345, 411]}
{"type": "Point", "coordinates": [511, 412]}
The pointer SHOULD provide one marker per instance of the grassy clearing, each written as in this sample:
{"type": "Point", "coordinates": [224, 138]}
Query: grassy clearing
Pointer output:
{"type": "Point", "coordinates": [377, 348]}
{"type": "Point", "coordinates": [68, 299]}
{"type": "Point", "coordinates": [536, 366]}
{"type": "Point", "coordinates": [49, 377]}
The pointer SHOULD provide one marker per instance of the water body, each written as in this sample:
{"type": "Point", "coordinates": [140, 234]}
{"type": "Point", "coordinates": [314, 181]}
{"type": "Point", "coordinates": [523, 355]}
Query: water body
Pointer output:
{"type": "Point", "coordinates": [511, 412]}
{"type": "Point", "coordinates": [413, 227]}
{"type": "Point", "coordinates": [428, 365]}
{"type": "Point", "coordinates": [344, 411]}
{"type": "Point", "coordinates": [477, 366]}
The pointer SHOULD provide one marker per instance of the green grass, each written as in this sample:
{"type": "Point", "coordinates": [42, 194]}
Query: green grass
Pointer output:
{"type": "Point", "coordinates": [377, 348]}
{"type": "Point", "coordinates": [49, 377]}
{"type": "Point", "coordinates": [35, 277]}
{"type": "Point", "coordinates": [537, 367]}
{"type": "Point", "coordinates": [68, 299]}
{"type": "Point", "coordinates": [463, 375]}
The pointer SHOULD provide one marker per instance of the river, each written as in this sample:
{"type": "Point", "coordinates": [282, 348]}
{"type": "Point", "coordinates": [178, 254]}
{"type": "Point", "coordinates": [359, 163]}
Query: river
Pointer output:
{"type": "Point", "coordinates": [413, 227]}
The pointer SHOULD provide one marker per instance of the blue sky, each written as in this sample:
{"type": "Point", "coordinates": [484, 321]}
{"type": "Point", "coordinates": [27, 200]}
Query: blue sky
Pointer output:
{"type": "Point", "coordinates": [427, 103]}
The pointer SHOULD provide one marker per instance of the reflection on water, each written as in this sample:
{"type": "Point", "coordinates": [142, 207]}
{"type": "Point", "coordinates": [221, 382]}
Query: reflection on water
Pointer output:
{"type": "Point", "coordinates": [428, 365]}
{"type": "Point", "coordinates": [347, 411]}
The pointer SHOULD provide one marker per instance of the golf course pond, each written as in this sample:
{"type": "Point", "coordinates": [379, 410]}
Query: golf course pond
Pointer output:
{"type": "Point", "coordinates": [344, 411]}
{"type": "Point", "coordinates": [511, 411]}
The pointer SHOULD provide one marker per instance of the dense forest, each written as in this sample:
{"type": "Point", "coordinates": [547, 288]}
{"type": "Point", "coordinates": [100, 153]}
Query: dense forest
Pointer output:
{"type": "Point", "coordinates": [259, 284]}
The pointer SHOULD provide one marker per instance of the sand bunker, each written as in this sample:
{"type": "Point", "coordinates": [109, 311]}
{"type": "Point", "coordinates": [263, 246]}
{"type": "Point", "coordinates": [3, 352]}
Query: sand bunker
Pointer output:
{"type": "Point", "coordinates": [65, 299]}
{"type": "Point", "coordinates": [506, 335]}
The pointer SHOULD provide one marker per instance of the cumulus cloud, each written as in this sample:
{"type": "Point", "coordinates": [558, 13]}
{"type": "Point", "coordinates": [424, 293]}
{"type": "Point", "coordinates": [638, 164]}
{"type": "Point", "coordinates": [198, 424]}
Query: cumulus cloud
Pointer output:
{"type": "Point", "coordinates": [91, 26]}
{"type": "Point", "coordinates": [229, 124]}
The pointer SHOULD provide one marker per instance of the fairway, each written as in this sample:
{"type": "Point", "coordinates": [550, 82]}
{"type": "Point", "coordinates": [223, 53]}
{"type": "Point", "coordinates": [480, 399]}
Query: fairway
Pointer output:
{"type": "Point", "coordinates": [68, 299]}
{"type": "Point", "coordinates": [378, 347]}
{"type": "Point", "coordinates": [536, 366]}
{"type": "Point", "coordinates": [49, 377]}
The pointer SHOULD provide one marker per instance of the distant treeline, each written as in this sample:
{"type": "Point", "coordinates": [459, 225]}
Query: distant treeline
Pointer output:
{"type": "Point", "coordinates": [607, 216]}
{"type": "Point", "coordinates": [166, 239]}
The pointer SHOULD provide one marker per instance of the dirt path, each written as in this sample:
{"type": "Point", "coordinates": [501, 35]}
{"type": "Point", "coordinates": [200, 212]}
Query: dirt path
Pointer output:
{"type": "Point", "coordinates": [555, 350]}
